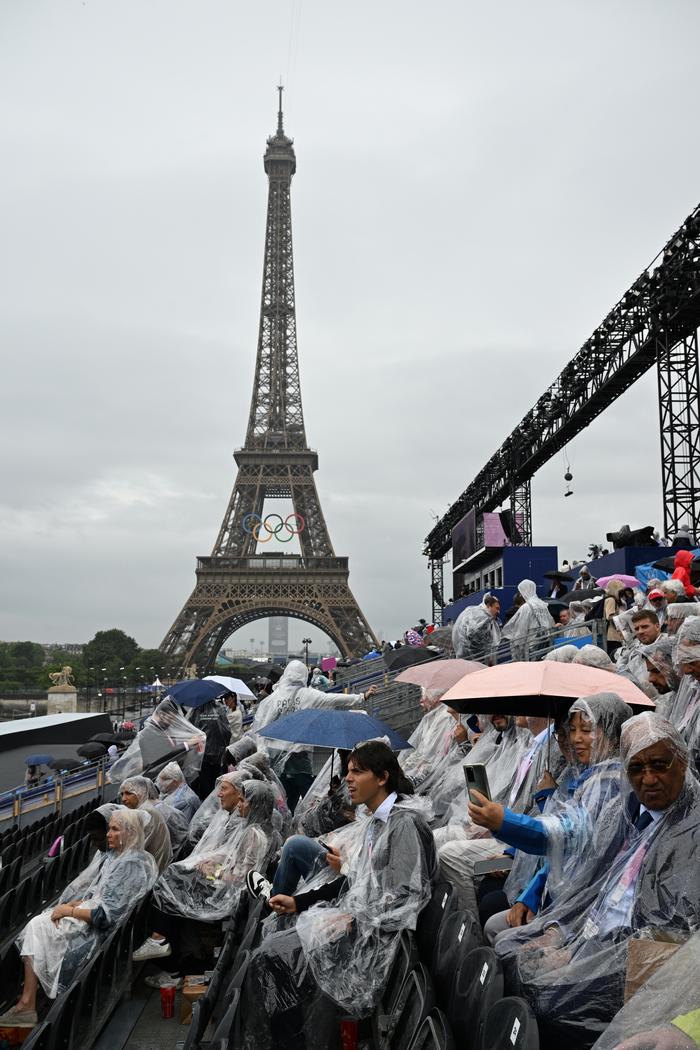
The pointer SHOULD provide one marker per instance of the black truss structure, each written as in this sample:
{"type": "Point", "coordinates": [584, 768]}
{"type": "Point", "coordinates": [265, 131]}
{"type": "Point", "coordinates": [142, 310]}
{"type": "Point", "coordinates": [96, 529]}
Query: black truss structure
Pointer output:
{"type": "Point", "coordinates": [655, 322]}
{"type": "Point", "coordinates": [237, 584]}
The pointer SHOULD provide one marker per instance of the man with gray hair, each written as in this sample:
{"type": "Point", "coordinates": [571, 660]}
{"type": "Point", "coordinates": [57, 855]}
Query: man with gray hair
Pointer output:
{"type": "Point", "coordinates": [571, 961]}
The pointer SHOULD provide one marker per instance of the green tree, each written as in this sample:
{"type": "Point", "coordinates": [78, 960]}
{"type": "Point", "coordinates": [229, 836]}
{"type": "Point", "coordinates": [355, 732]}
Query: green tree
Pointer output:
{"type": "Point", "coordinates": [111, 649]}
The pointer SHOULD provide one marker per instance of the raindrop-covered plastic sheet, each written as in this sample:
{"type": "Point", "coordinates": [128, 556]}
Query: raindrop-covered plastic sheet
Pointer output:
{"type": "Point", "coordinates": [165, 733]}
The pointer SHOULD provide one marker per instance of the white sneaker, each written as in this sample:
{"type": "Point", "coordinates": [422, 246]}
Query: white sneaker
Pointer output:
{"type": "Point", "coordinates": [162, 979]}
{"type": "Point", "coordinates": [258, 885]}
{"type": "Point", "coordinates": [152, 949]}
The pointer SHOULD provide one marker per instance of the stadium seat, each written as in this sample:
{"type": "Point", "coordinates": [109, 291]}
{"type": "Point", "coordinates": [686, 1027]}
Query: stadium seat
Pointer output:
{"type": "Point", "coordinates": [434, 1033]}
{"type": "Point", "coordinates": [224, 1031]}
{"type": "Point", "coordinates": [405, 959]}
{"type": "Point", "coordinates": [10, 974]}
{"type": "Point", "coordinates": [459, 934]}
{"type": "Point", "coordinates": [478, 984]}
{"type": "Point", "coordinates": [414, 1003]}
{"type": "Point", "coordinates": [231, 983]}
{"type": "Point", "coordinates": [510, 1025]}
{"type": "Point", "coordinates": [431, 919]}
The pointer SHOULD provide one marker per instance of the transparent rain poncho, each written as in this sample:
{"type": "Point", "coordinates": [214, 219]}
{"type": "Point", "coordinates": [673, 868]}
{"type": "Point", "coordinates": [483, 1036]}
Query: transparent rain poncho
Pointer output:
{"type": "Point", "coordinates": [530, 626]}
{"type": "Point", "coordinates": [167, 732]}
{"type": "Point", "coordinates": [157, 836]}
{"type": "Point", "coordinates": [593, 656]}
{"type": "Point", "coordinates": [678, 612]}
{"type": "Point", "coordinates": [664, 1010]}
{"type": "Point", "coordinates": [342, 949]}
{"type": "Point", "coordinates": [572, 959]}
{"type": "Point", "coordinates": [431, 741]}
{"type": "Point", "coordinates": [475, 634]}
{"type": "Point", "coordinates": [501, 751]}
{"type": "Point", "coordinates": [569, 829]}
{"type": "Point", "coordinates": [240, 749]}
{"type": "Point", "coordinates": [292, 694]}
{"type": "Point", "coordinates": [212, 803]}
{"type": "Point", "coordinates": [206, 885]}
{"type": "Point", "coordinates": [176, 792]}
{"type": "Point", "coordinates": [111, 885]}
{"type": "Point", "coordinates": [326, 805]}
{"type": "Point", "coordinates": [563, 654]}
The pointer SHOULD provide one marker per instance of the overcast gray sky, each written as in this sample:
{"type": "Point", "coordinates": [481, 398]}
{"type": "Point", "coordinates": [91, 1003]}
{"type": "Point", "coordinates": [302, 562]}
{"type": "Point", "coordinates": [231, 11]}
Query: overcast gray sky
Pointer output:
{"type": "Point", "coordinates": [476, 185]}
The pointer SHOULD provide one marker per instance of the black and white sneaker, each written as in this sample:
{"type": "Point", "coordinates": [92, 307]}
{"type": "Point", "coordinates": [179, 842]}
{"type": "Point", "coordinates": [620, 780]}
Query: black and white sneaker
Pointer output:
{"type": "Point", "coordinates": [258, 886]}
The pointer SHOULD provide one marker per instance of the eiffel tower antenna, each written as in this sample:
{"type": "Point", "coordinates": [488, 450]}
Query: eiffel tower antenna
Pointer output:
{"type": "Point", "coordinates": [235, 584]}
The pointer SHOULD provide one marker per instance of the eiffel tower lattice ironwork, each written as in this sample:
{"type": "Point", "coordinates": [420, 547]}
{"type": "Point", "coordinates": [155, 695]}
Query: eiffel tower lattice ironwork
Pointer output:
{"type": "Point", "coordinates": [236, 585]}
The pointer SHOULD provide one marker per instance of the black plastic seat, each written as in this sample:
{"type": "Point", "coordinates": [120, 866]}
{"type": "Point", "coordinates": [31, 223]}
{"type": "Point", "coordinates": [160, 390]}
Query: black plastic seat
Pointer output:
{"type": "Point", "coordinates": [225, 1029]}
{"type": "Point", "coordinates": [477, 986]}
{"type": "Point", "coordinates": [434, 1033]}
{"type": "Point", "coordinates": [431, 918]}
{"type": "Point", "coordinates": [415, 1001]}
{"type": "Point", "coordinates": [459, 934]}
{"type": "Point", "coordinates": [405, 959]}
{"type": "Point", "coordinates": [10, 974]}
{"type": "Point", "coordinates": [64, 1019]}
{"type": "Point", "coordinates": [510, 1025]}
{"type": "Point", "coordinates": [233, 983]}
{"type": "Point", "coordinates": [20, 903]}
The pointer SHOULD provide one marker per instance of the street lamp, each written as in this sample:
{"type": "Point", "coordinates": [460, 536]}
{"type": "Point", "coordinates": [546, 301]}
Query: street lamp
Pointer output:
{"type": "Point", "coordinates": [306, 642]}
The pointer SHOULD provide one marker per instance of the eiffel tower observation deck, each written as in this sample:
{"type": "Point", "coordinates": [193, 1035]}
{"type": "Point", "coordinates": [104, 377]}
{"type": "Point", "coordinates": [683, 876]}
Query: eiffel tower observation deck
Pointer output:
{"type": "Point", "coordinates": [236, 584]}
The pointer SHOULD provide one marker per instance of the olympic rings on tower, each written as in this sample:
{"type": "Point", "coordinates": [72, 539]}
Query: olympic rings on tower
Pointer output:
{"type": "Point", "coordinates": [283, 531]}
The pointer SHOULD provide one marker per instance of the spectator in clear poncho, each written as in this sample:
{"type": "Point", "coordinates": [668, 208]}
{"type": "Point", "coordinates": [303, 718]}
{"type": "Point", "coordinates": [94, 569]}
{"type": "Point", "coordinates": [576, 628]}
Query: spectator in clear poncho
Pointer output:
{"type": "Point", "coordinates": [665, 1013]}
{"type": "Point", "coordinates": [571, 961]}
{"type": "Point", "coordinates": [563, 654]}
{"type": "Point", "coordinates": [661, 672]}
{"type": "Point", "coordinates": [166, 733]}
{"type": "Point", "coordinates": [565, 833]}
{"type": "Point", "coordinates": [476, 633]}
{"type": "Point", "coordinates": [135, 793]}
{"type": "Point", "coordinates": [513, 769]}
{"type": "Point", "coordinates": [56, 943]}
{"type": "Point", "coordinates": [337, 955]}
{"type": "Point", "coordinates": [291, 762]}
{"type": "Point", "coordinates": [685, 714]}
{"type": "Point", "coordinates": [594, 656]}
{"type": "Point", "coordinates": [529, 628]}
{"type": "Point", "coordinates": [206, 885]}
{"type": "Point", "coordinates": [176, 792]}
{"type": "Point", "coordinates": [433, 741]}
{"type": "Point", "coordinates": [326, 805]}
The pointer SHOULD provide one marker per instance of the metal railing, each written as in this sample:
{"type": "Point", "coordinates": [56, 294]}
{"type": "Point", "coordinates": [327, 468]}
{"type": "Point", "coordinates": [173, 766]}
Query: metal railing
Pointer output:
{"type": "Point", "coordinates": [22, 802]}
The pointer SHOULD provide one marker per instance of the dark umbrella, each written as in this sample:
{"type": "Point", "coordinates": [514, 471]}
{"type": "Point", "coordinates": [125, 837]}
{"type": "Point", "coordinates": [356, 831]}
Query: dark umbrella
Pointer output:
{"type": "Point", "coordinates": [554, 574]}
{"type": "Point", "coordinates": [333, 729]}
{"type": "Point", "coordinates": [38, 760]}
{"type": "Point", "coordinates": [578, 596]}
{"type": "Point", "coordinates": [104, 738]}
{"type": "Point", "coordinates": [668, 565]}
{"type": "Point", "coordinates": [67, 764]}
{"type": "Point", "coordinates": [195, 692]}
{"type": "Point", "coordinates": [92, 750]}
{"type": "Point", "coordinates": [406, 656]}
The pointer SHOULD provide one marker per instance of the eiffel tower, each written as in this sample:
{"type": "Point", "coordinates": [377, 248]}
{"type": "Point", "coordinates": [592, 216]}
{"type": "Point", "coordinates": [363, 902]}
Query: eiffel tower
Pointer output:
{"type": "Point", "coordinates": [236, 585]}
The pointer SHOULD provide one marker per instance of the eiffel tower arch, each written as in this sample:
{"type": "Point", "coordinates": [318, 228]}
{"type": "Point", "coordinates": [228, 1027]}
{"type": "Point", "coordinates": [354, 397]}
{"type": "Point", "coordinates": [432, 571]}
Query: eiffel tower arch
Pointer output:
{"type": "Point", "coordinates": [237, 584]}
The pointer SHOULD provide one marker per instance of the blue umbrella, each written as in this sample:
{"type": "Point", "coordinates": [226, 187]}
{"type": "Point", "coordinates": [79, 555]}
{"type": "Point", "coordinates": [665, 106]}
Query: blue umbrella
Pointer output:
{"type": "Point", "coordinates": [195, 692]}
{"type": "Point", "coordinates": [341, 729]}
{"type": "Point", "coordinates": [38, 760]}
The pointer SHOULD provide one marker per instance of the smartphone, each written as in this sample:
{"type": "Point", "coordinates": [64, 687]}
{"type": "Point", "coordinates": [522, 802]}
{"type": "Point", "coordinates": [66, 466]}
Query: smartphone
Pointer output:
{"type": "Point", "coordinates": [476, 777]}
{"type": "Point", "coordinates": [485, 867]}
{"type": "Point", "coordinates": [325, 845]}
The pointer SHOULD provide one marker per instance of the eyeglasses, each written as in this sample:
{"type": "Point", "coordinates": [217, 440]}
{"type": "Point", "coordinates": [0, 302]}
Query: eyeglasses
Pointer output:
{"type": "Point", "coordinates": [657, 765]}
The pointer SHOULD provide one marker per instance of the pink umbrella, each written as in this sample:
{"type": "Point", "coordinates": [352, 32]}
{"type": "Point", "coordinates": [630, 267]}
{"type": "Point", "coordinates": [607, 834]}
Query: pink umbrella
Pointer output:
{"type": "Point", "coordinates": [441, 674]}
{"type": "Point", "coordinates": [627, 581]}
{"type": "Point", "coordinates": [540, 688]}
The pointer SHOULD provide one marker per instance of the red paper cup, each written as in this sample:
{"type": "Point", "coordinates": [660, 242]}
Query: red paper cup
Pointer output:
{"type": "Point", "coordinates": [348, 1034]}
{"type": "Point", "coordinates": [167, 1001]}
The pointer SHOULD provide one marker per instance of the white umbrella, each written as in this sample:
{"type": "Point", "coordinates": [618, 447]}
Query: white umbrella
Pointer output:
{"type": "Point", "coordinates": [234, 685]}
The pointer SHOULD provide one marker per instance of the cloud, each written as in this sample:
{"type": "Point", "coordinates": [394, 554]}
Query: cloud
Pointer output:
{"type": "Point", "coordinates": [476, 186]}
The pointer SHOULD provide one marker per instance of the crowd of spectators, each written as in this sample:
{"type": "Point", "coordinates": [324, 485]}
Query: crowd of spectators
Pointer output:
{"type": "Point", "coordinates": [589, 830]}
